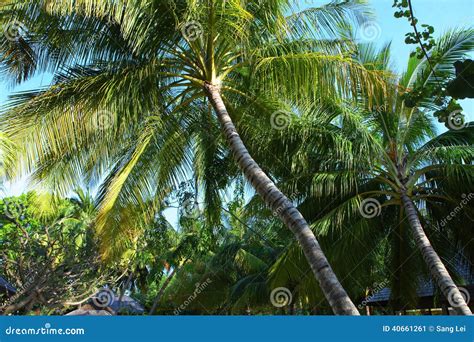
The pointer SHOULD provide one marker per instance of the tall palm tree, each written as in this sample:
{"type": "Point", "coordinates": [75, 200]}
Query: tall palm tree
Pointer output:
{"type": "Point", "coordinates": [136, 72]}
{"type": "Point", "coordinates": [389, 157]}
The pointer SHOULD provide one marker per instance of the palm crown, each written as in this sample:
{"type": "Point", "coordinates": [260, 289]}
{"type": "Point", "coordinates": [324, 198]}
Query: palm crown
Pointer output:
{"type": "Point", "coordinates": [135, 84]}
{"type": "Point", "coordinates": [132, 79]}
{"type": "Point", "coordinates": [373, 155]}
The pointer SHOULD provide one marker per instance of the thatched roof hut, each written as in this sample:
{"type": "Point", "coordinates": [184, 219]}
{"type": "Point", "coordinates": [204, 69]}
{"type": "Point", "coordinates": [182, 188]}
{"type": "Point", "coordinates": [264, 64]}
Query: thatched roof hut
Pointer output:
{"type": "Point", "coordinates": [84, 312]}
{"type": "Point", "coordinates": [107, 303]}
{"type": "Point", "coordinates": [429, 298]}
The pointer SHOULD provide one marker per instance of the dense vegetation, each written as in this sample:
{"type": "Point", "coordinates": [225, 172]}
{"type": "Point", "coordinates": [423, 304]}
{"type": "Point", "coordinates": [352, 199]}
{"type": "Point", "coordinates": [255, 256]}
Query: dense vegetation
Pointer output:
{"type": "Point", "coordinates": [304, 174]}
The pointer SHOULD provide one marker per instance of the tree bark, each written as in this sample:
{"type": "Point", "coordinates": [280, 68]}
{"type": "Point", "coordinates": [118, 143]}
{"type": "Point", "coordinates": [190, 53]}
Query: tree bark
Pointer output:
{"type": "Point", "coordinates": [435, 265]}
{"type": "Point", "coordinates": [20, 305]}
{"type": "Point", "coordinates": [161, 291]}
{"type": "Point", "coordinates": [337, 297]}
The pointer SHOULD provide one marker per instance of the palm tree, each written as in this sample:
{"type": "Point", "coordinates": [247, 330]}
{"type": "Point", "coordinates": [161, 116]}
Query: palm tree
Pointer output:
{"type": "Point", "coordinates": [388, 160]}
{"type": "Point", "coordinates": [132, 76]}
{"type": "Point", "coordinates": [234, 273]}
{"type": "Point", "coordinates": [6, 153]}
{"type": "Point", "coordinates": [186, 248]}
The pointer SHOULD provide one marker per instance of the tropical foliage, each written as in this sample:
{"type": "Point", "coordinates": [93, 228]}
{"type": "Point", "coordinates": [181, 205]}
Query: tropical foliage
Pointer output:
{"type": "Point", "coordinates": [212, 110]}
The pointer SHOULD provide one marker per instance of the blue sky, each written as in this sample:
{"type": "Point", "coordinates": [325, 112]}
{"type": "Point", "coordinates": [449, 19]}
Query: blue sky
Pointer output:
{"type": "Point", "coordinates": [442, 14]}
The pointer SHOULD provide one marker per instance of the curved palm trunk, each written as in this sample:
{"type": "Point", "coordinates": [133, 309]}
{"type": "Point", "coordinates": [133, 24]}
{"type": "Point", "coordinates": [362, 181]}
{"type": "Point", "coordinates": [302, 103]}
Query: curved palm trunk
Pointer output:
{"type": "Point", "coordinates": [436, 266]}
{"type": "Point", "coordinates": [337, 297]}
{"type": "Point", "coordinates": [161, 291]}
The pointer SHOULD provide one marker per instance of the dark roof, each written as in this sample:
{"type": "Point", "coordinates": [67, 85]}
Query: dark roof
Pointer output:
{"type": "Point", "coordinates": [80, 312]}
{"type": "Point", "coordinates": [427, 288]}
{"type": "Point", "coordinates": [128, 304]}
{"type": "Point", "coordinates": [5, 285]}
{"type": "Point", "coordinates": [380, 296]}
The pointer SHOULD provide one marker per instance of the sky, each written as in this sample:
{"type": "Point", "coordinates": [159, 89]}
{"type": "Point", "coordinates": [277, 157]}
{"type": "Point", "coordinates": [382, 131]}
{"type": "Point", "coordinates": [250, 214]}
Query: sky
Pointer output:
{"type": "Point", "coordinates": [442, 14]}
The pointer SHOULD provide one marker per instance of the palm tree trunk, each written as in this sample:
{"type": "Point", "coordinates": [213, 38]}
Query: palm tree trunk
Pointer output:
{"type": "Point", "coordinates": [161, 291]}
{"type": "Point", "coordinates": [436, 266]}
{"type": "Point", "coordinates": [337, 297]}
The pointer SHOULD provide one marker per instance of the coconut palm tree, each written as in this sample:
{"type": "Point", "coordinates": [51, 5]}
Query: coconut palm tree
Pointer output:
{"type": "Point", "coordinates": [6, 152]}
{"type": "Point", "coordinates": [188, 246]}
{"type": "Point", "coordinates": [388, 168]}
{"type": "Point", "coordinates": [129, 76]}
{"type": "Point", "coordinates": [234, 273]}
